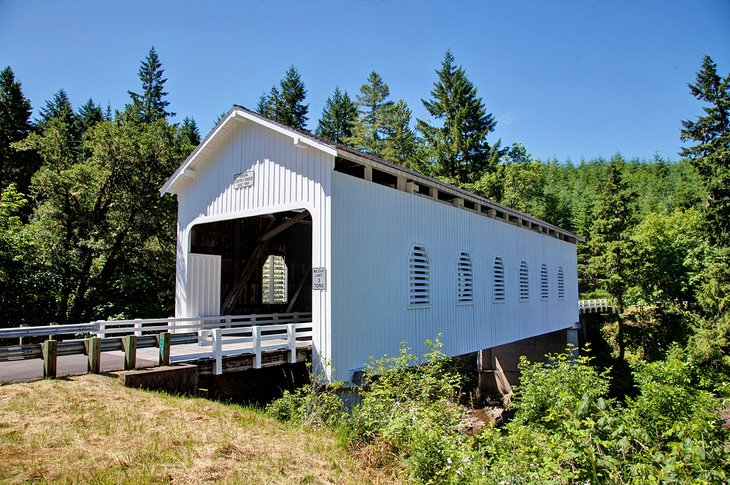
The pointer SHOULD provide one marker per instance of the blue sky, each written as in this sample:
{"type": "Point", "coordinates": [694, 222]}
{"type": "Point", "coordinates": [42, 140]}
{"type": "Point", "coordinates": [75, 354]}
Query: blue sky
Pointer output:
{"type": "Point", "coordinates": [568, 79]}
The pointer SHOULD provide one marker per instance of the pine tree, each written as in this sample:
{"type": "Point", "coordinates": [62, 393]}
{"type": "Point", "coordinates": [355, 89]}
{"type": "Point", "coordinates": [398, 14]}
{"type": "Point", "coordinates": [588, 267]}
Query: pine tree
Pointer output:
{"type": "Point", "coordinates": [151, 103]}
{"type": "Point", "coordinates": [285, 104]}
{"type": "Point", "coordinates": [400, 144]}
{"type": "Point", "coordinates": [15, 125]}
{"type": "Point", "coordinates": [368, 132]}
{"type": "Point", "coordinates": [338, 116]}
{"type": "Point", "coordinates": [711, 152]}
{"type": "Point", "coordinates": [88, 115]}
{"type": "Point", "coordinates": [611, 249]}
{"type": "Point", "coordinates": [188, 132]}
{"type": "Point", "coordinates": [59, 107]}
{"type": "Point", "coordinates": [458, 148]}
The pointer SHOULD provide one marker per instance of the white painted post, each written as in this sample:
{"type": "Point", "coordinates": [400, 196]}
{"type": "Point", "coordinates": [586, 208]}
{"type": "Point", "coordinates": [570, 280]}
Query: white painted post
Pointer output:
{"type": "Point", "coordinates": [291, 340]}
{"type": "Point", "coordinates": [138, 327]}
{"type": "Point", "coordinates": [256, 335]}
{"type": "Point", "coordinates": [218, 351]}
{"type": "Point", "coordinates": [101, 327]}
{"type": "Point", "coordinates": [228, 321]}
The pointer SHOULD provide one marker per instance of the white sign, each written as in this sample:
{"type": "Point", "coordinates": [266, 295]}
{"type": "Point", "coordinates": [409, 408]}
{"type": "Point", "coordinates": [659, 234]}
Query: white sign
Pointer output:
{"type": "Point", "coordinates": [319, 279]}
{"type": "Point", "coordinates": [243, 180]}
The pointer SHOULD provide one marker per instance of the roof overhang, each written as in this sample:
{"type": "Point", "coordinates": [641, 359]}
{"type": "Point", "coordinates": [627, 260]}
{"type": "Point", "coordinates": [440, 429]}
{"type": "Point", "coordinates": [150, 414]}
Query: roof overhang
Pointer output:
{"type": "Point", "coordinates": [227, 123]}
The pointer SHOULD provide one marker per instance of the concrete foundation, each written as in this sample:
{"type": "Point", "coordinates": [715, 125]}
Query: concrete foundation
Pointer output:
{"type": "Point", "coordinates": [176, 379]}
{"type": "Point", "coordinates": [497, 368]}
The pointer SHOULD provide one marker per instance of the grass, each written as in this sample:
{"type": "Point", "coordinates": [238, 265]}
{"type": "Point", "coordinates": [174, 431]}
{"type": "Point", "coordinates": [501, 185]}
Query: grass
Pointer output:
{"type": "Point", "coordinates": [91, 429]}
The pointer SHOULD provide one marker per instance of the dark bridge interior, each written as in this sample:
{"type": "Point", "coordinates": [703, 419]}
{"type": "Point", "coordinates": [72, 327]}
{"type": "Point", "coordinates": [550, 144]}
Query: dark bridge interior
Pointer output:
{"type": "Point", "coordinates": [266, 261]}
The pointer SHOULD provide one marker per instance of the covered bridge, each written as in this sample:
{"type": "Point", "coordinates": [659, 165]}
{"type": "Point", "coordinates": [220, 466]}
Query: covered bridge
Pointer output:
{"type": "Point", "coordinates": [272, 219]}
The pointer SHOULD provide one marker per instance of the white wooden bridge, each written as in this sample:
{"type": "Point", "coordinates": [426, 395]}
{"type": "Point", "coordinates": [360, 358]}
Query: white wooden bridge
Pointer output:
{"type": "Point", "coordinates": [262, 339]}
{"type": "Point", "coordinates": [595, 306]}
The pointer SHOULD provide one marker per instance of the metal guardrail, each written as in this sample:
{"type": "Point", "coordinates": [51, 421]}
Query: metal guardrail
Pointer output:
{"type": "Point", "coordinates": [275, 331]}
{"type": "Point", "coordinates": [139, 327]}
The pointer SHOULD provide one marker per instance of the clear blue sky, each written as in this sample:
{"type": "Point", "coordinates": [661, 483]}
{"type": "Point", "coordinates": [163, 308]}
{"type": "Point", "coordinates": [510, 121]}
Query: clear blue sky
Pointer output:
{"type": "Point", "coordinates": [568, 79]}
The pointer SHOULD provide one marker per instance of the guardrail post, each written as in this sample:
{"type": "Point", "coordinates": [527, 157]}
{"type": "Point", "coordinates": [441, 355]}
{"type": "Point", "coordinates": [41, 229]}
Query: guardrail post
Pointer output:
{"type": "Point", "coordinates": [49, 350]}
{"type": "Point", "coordinates": [101, 328]}
{"type": "Point", "coordinates": [93, 352]}
{"type": "Point", "coordinates": [163, 341]}
{"type": "Point", "coordinates": [217, 351]}
{"type": "Point", "coordinates": [291, 340]}
{"type": "Point", "coordinates": [52, 336]}
{"type": "Point", "coordinates": [129, 344]}
{"type": "Point", "coordinates": [227, 319]}
{"type": "Point", "coordinates": [138, 327]}
{"type": "Point", "coordinates": [255, 336]}
{"type": "Point", "coordinates": [20, 339]}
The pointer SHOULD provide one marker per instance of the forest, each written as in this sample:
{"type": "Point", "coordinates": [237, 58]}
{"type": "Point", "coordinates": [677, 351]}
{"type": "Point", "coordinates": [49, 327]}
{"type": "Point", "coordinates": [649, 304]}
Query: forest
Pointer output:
{"type": "Point", "coordinates": [84, 235]}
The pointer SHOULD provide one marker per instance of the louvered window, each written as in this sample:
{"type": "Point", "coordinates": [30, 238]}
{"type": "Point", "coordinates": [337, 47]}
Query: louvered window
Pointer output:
{"type": "Point", "coordinates": [544, 290]}
{"type": "Point", "coordinates": [561, 283]}
{"type": "Point", "coordinates": [419, 277]}
{"type": "Point", "coordinates": [498, 271]}
{"type": "Point", "coordinates": [274, 288]}
{"type": "Point", "coordinates": [465, 279]}
{"type": "Point", "coordinates": [524, 282]}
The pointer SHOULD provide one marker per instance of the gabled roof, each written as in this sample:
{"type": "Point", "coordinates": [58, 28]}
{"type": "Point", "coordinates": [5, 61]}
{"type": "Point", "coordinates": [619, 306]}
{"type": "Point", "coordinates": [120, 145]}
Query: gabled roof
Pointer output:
{"type": "Point", "coordinates": [238, 113]}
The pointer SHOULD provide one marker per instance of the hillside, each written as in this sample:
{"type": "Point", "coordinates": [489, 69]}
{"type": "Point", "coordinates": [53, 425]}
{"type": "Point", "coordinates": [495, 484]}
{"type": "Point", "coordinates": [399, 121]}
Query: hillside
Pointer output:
{"type": "Point", "coordinates": [92, 429]}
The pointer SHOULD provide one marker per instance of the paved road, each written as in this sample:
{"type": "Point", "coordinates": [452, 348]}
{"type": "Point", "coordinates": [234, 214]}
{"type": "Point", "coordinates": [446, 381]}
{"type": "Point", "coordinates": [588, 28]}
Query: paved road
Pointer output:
{"type": "Point", "coordinates": [32, 369]}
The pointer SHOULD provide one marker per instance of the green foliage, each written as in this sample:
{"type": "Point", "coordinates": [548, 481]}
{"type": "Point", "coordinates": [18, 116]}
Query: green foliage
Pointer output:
{"type": "Point", "coordinates": [368, 131]}
{"type": "Point", "coordinates": [458, 148]}
{"type": "Point", "coordinates": [150, 105]}
{"type": "Point", "coordinates": [338, 116]}
{"type": "Point", "coordinates": [315, 405]}
{"type": "Point", "coordinates": [401, 145]}
{"type": "Point", "coordinates": [285, 104]}
{"type": "Point", "coordinates": [15, 125]}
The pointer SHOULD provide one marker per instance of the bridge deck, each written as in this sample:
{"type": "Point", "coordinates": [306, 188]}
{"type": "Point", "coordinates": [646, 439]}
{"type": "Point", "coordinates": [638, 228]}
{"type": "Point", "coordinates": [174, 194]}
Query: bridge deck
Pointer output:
{"type": "Point", "coordinates": [239, 357]}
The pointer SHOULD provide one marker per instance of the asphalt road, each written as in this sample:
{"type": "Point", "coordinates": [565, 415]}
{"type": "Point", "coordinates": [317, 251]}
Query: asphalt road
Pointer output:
{"type": "Point", "coordinates": [32, 369]}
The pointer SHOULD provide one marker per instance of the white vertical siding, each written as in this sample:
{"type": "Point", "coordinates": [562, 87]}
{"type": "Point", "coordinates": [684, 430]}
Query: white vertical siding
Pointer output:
{"type": "Point", "coordinates": [204, 285]}
{"type": "Point", "coordinates": [374, 231]}
{"type": "Point", "coordinates": [286, 177]}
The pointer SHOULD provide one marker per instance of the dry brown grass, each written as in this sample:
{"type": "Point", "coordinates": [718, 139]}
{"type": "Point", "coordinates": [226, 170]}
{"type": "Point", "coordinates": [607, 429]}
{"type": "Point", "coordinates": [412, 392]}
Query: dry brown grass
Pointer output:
{"type": "Point", "coordinates": [91, 429]}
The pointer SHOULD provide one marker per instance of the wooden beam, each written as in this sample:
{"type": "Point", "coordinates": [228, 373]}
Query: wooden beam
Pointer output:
{"type": "Point", "coordinates": [433, 192]}
{"type": "Point", "coordinates": [368, 173]}
{"type": "Point", "coordinates": [129, 344]}
{"type": "Point", "coordinates": [458, 202]}
{"type": "Point", "coordinates": [163, 343]}
{"type": "Point", "coordinates": [93, 353]}
{"type": "Point", "coordinates": [401, 184]}
{"type": "Point", "coordinates": [283, 226]}
{"type": "Point", "coordinates": [293, 300]}
{"type": "Point", "coordinates": [410, 187]}
{"type": "Point", "coordinates": [49, 351]}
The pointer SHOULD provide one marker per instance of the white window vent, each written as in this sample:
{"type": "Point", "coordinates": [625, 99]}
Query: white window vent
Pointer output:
{"type": "Point", "coordinates": [419, 277]}
{"type": "Point", "coordinates": [544, 289]}
{"type": "Point", "coordinates": [465, 279]}
{"type": "Point", "coordinates": [561, 283]}
{"type": "Point", "coordinates": [274, 280]}
{"type": "Point", "coordinates": [524, 282]}
{"type": "Point", "coordinates": [498, 289]}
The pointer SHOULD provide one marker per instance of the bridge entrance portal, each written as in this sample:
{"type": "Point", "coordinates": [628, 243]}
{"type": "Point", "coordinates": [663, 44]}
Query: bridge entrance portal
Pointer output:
{"type": "Point", "coordinates": [265, 264]}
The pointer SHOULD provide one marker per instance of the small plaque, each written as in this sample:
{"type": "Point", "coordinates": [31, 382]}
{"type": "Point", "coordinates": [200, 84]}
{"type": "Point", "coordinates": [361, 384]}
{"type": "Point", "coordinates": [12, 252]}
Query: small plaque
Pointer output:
{"type": "Point", "coordinates": [243, 180]}
{"type": "Point", "coordinates": [319, 279]}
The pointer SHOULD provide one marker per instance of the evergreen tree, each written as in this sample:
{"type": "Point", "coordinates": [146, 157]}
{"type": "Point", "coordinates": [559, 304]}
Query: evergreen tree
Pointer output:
{"type": "Point", "coordinates": [711, 152]}
{"type": "Point", "coordinates": [88, 115]}
{"type": "Point", "coordinates": [151, 103]}
{"type": "Point", "coordinates": [15, 125]}
{"type": "Point", "coordinates": [285, 104]}
{"type": "Point", "coordinates": [338, 116]}
{"type": "Point", "coordinates": [610, 245]}
{"type": "Point", "coordinates": [188, 132]}
{"type": "Point", "coordinates": [401, 145]}
{"type": "Point", "coordinates": [369, 132]}
{"type": "Point", "coordinates": [59, 108]}
{"type": "Point", "coordinates": [458, 148]}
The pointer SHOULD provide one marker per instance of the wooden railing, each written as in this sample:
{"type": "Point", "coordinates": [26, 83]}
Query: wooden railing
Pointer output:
{"type": "Point", "coordinates": [280, 330]}
{"type": "Point", "coordinates": [595, 306]}
{"type": "Point", "coordinates": [261, 338]}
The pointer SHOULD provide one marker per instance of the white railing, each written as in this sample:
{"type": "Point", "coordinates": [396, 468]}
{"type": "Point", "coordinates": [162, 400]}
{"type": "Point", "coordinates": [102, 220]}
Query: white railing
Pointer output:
{"type": "Point", "coordinates": [102, 328]}
{"type": "Point", "coordinates": [260, 338]}
{"type": "Point", "coordinates": [594, 306]}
